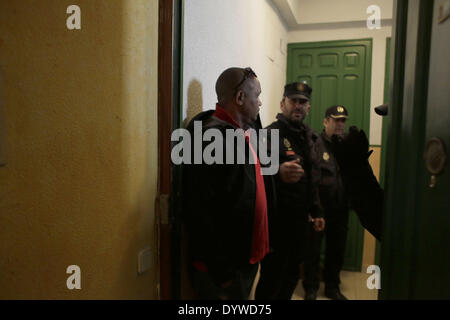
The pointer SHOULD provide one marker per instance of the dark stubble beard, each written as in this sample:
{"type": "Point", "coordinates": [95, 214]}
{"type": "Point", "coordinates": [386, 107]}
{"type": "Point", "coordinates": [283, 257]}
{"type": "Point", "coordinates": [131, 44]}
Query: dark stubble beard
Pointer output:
{"type": "Point", "coordinates": [297, 122]}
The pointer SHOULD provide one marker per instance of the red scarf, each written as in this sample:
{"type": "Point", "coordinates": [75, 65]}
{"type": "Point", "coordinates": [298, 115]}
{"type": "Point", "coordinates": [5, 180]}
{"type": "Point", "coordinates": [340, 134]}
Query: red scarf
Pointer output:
{"type": "Point", "coordinates": [260, 243]}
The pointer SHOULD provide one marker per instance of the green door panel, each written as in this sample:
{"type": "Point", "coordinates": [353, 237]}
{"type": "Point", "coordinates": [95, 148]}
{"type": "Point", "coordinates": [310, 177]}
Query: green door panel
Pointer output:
{"type": "Point", "coordinates": [415, 257]}
{"type": "Point", "coordinates": [432, 258]}
{"type": "Point", "coordinates": [384, 136]}
{"type": "Point", "coordinates": [339, 73]}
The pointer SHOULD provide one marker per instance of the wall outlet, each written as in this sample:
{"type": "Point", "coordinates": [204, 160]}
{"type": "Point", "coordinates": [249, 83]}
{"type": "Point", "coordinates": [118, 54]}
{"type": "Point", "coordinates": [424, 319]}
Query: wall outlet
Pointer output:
{"type": "Point", "coordinates": [144, 260]}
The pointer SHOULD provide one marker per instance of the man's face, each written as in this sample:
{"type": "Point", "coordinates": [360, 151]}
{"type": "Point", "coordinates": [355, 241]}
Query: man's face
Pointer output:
{"type": "Point", "coordinates": [295, 109]}
{"type": "Point", "coordinates": [334, 126]}
{"type": "Point", "coordinates": [251, 101]}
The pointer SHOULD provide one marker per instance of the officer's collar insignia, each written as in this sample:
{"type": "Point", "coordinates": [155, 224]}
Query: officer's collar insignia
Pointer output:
{"type": "Point", "coordinates": [340, 110]}
{"type": "Point", "coordinates": [287, 144]}
{"type": "Point", "coordinates": [326, 156]}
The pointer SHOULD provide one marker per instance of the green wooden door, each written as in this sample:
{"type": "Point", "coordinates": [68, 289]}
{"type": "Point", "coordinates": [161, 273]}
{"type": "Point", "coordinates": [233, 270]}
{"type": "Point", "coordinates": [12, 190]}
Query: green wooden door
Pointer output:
{"type": "Point", "coordinates": [339, 73]}
{"type": "Point", "coordinates": [416, 228]}
{"type": "Point", "coordinates": [432, 258]}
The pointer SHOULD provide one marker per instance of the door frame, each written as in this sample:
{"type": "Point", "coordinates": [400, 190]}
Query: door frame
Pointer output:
{"type": "Point", "coordinates": [169, 101]}
{"type": "Point", "coordinates": [384, 135]}
{"type": "Point", "coordinates": [410, 50]}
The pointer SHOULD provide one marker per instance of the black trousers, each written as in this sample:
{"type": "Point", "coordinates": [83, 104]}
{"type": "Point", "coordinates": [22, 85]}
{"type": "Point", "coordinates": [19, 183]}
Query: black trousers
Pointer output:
{"type": "Point", "coordinates": [280, 270]}
{"type": "Point", "coordinates": [239, 289]}
{"type": "Point", "coordinates": [335, 233]}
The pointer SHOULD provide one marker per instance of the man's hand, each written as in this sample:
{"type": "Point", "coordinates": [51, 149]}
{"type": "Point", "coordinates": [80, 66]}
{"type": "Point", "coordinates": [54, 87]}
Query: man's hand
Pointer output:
{"type": "Point", "coordinates": [291, 172]}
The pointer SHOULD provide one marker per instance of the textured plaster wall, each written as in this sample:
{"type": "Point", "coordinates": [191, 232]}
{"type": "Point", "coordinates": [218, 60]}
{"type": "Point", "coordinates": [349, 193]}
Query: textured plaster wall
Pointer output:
{"type": "Point", "coordinates": [80, 115]}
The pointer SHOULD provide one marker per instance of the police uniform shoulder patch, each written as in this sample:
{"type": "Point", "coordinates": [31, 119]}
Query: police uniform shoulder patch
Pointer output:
{"type": "Point", "coordinates": [326, 156]}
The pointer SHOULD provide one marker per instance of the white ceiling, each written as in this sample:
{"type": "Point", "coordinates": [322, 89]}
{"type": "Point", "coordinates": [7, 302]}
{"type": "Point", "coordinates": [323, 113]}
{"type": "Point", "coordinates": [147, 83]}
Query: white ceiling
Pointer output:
{"type": "Point", "coordinates": [301, 13]}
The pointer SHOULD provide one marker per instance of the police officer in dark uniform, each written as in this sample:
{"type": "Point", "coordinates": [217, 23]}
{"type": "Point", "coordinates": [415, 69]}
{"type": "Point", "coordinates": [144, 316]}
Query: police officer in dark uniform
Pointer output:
{"type": "Point", "coordinates": [334, 200]}
{"type": "Point", "coordinates": [296, 187]}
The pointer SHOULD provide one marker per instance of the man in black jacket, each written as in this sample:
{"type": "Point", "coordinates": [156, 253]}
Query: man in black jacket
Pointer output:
{"type": "Point", "coordinates": [334, 200]}
{"type": "Point", "coordinates": [225, 205]}
{"type": "Point", "coordinates": [296, 187]}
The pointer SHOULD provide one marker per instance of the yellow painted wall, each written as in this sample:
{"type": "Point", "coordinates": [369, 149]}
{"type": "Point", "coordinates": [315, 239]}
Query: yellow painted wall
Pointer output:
{"type": "Point", "coordinates": [80, 114]}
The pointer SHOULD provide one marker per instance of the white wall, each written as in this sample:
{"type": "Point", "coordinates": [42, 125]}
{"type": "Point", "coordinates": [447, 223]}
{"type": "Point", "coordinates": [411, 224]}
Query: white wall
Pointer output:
{"type": "Point", "coordinates": [332, 11]}
{"type": "Point", "coordinates": [378, 61]}
{"type": "Point", "coordinates": [232, 33]}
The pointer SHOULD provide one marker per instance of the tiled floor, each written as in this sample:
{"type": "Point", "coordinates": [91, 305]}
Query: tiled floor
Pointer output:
{"type": "Point", "coordinates": [354, 287]}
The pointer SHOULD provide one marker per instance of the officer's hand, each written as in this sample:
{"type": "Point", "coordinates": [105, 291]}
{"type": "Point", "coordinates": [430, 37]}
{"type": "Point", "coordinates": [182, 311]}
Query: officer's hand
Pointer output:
{"type": "Point", "coordinates": [291, 172]}
{"type": "Point", "coordinates": [319, 224]}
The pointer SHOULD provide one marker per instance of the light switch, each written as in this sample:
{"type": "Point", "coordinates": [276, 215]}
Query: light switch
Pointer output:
{"type": "Point", "coordinates": [144, 260]}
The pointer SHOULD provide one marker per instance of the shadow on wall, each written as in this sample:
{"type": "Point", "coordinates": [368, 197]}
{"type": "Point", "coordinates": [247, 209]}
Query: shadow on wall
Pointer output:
{"type": "Point", "coordinates": [194, 101]}
{"type": "Point", "coordinates": [194, 107]}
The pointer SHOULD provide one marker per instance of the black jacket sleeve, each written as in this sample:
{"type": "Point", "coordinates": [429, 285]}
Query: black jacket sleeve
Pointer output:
{"type": "Point", "coordinates": [365, 194]}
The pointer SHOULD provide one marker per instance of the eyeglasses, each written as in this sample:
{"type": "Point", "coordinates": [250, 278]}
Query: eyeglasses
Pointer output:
{"type": "Point", "coordinates": [248, 72]}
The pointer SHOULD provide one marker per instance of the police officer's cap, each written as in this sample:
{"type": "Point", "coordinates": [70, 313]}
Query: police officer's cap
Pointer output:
{"type": "Point", "coordinates": [297, 90]}
{"type": "Point", "coordinates": [336, 112]}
